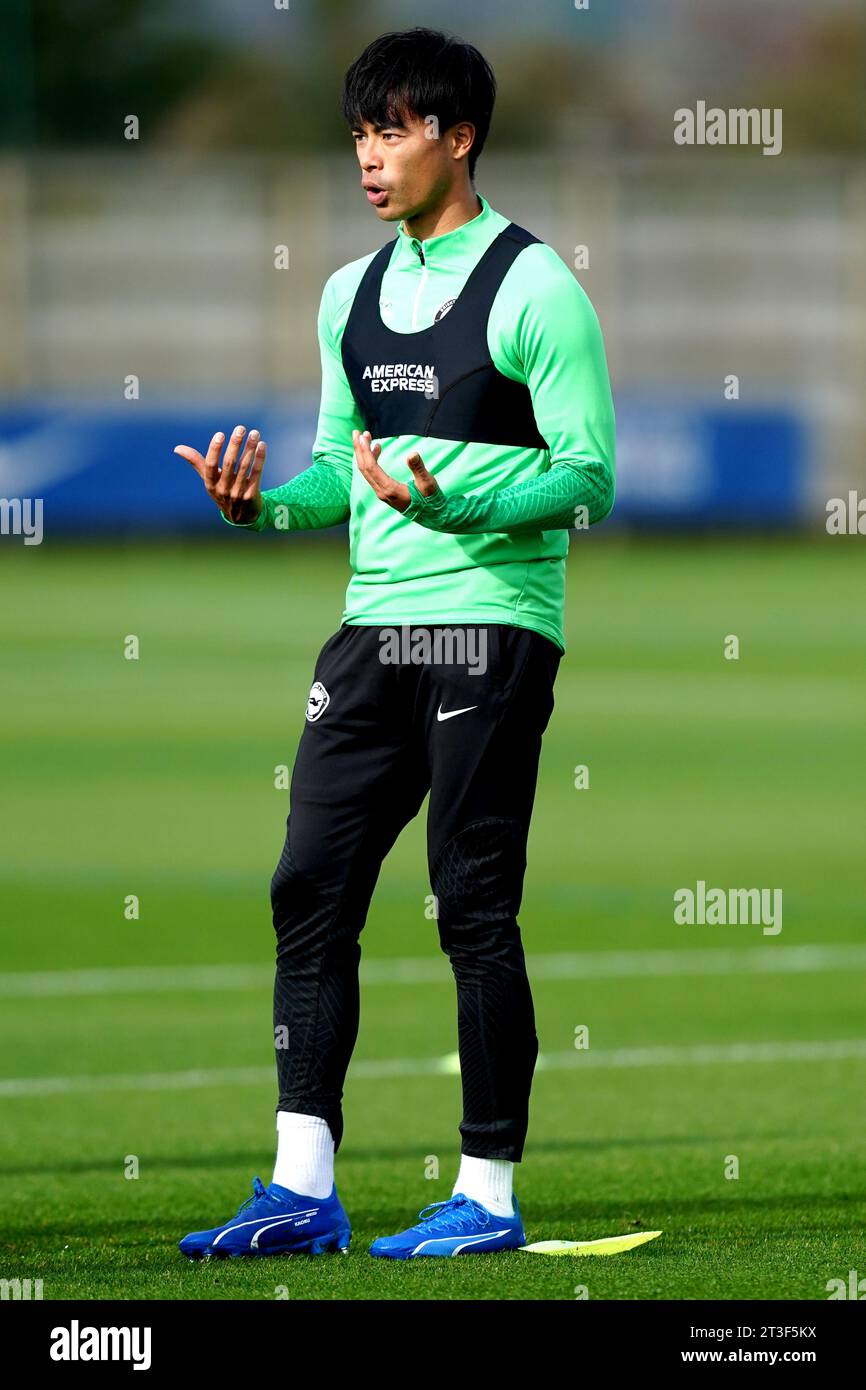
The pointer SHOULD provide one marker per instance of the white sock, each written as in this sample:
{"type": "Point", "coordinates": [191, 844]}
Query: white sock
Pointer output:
{"type": "Point", "coordinates": [305, 1154]}
{"type": "Point", "coordinates": [488, 1181]}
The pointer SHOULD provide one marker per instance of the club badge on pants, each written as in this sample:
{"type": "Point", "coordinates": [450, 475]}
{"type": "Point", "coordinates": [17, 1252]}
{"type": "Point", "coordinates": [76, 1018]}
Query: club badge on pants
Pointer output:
{"type": "Point", "coordinates": [317, 702]}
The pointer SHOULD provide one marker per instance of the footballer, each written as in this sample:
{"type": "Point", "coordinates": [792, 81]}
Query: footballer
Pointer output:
{"type": "Point", "coordinates": [465, 425]}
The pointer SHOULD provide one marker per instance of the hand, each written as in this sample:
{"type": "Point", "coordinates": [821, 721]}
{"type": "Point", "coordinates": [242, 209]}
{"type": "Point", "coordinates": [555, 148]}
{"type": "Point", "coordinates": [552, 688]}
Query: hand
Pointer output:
{"type": "Point", "coordinates": [386, 488]}
{"type": "Point", "coordinates": [235, 491]}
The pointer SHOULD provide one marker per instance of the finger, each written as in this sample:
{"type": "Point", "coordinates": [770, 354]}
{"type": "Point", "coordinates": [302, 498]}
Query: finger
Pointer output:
{"type": "Point", "coordinates": [355, 434]}
{"type": "Point", "coordinates": [427, 484]}
{"type": "Point", "coordinates": [360, 445]}
{"type": "Point", "coordinates": [376, 476]}
{"type": "Point", "coordinates": [230, 458]}
{"type": "Point", "coordinates": [386, 488]}
{"type": "Point", "coordinates": [361, 453]}
{"type": "Point", "coordinates": [240, 480]}
{"type": "Point", "coordinates": [261, 453]}
{"type": "Point", "coordinates": [212, 462]}
{"type": "Point", "coordinates": [192, 456]}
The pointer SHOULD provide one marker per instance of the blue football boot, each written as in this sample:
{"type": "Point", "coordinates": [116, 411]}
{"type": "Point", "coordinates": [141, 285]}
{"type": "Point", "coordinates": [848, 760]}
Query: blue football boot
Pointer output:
{"type": "Point", "coordinates": [461, 1226]}
{"type": "Point", "coordinates": [275, 1221]}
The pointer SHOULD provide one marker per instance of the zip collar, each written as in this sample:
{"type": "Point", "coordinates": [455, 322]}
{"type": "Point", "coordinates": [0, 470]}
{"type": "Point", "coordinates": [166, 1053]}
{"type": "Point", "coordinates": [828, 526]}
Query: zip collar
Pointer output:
{"type": "Point", "coordinates": [446, 241]}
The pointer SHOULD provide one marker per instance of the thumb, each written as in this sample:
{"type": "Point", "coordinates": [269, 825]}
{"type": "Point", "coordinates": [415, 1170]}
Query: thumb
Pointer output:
{"type": "Point", "coordinates": [191, 455]}
{"type": "Point", "coordinates": [427, 484]}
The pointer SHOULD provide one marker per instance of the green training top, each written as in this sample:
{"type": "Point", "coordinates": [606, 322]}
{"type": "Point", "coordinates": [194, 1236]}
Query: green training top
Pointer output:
{"type": "Point", "coordinates": [491, 546]}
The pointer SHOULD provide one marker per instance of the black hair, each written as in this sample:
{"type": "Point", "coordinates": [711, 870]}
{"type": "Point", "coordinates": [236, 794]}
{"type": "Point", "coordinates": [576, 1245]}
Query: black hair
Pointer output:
{"type": "Point", "coordinates": [421, 72]}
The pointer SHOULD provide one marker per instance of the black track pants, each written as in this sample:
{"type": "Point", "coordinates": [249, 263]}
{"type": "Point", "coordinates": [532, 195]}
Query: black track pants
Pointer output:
{"type": "Point", "coordinates": [380, 734]}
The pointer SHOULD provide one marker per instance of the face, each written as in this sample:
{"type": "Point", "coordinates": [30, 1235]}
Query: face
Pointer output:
{"type": "Point", "coordinates": [405, 171]}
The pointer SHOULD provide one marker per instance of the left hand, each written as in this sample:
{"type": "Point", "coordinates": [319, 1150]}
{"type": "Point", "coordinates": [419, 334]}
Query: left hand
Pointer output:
{"type": "Point", "coordinates": [385, 487]}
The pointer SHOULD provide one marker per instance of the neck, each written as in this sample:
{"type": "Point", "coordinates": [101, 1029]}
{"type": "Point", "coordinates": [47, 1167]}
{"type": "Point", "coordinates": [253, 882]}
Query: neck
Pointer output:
{"type": "Point", "coordinates": [458, 206]}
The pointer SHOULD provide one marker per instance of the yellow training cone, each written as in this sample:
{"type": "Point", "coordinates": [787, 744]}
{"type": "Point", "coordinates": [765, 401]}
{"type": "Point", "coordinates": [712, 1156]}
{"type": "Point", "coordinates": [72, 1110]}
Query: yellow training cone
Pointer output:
{"type": "Point", "coordinates": [609, 1245]}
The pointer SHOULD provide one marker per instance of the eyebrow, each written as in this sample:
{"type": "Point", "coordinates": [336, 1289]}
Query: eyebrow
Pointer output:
{"type": "Point", "coordinates": [385, 125]}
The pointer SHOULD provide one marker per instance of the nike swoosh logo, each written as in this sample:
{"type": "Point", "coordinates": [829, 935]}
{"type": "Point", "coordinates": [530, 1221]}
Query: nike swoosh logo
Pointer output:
{"type": "Point", "coordinates": [452, 713]}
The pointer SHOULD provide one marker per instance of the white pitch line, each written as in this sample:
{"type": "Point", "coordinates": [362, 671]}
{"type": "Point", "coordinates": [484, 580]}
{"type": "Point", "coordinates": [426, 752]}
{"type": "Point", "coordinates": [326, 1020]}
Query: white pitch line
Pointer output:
{"type": "Point", "coordinates": [701, 1054]}
{"type": "Point", "coordinates": [46, 984]}
{"type": "Point", "coordinates": [423, 970]}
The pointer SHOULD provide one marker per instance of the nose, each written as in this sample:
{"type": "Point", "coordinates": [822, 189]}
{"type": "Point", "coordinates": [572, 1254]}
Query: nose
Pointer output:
{"type": "Point", "coordinates": [371, 155]}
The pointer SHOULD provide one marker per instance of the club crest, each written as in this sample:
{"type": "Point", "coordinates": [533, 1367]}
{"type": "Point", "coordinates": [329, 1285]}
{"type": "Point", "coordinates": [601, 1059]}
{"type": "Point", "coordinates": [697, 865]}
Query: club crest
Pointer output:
{"type": "Point", "coordinates": [317, 701]}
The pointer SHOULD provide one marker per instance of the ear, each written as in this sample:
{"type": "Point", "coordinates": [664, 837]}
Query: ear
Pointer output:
{"type": "Point", "coordinates": [462, 136]}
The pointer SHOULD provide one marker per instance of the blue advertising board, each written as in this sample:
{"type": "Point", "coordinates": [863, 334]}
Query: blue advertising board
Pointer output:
{"type": "Point", "coordinates": [109, 471]}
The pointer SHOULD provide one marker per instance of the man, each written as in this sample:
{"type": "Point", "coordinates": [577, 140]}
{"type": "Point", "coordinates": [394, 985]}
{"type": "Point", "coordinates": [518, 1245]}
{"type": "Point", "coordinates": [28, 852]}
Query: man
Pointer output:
{"type": "Point", "coordinates": [466, 423]}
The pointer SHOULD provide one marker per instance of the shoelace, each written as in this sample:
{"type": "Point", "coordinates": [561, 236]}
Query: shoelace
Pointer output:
{"type": "Point", "coordinates": [259, 1191]}
{"type": "Point", "coordinates": [462, 1210]}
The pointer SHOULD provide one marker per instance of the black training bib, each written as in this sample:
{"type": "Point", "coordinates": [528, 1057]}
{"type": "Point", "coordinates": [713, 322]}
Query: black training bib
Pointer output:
{"type": "Point", "coordinates": [441, 381]}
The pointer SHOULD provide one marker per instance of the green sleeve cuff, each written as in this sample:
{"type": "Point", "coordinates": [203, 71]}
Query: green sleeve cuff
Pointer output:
{"type": "Point", "coordinates": [431, 508]}
{"type": "Point", "coordinates": [259, 524]}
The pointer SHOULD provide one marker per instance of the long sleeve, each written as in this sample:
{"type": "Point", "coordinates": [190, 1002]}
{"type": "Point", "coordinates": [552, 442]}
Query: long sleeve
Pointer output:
{"type": "Point", "coordinates": [317, 497]}
{"type": "Point", "coordinates": [544, 331]}
{"type": "Point", "coordinates": [546, 503]}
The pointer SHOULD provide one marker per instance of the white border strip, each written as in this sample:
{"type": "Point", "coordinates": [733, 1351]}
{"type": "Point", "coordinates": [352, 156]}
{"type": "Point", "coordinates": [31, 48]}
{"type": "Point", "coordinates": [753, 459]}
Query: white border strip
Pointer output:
{"type": "Point", "coordinates": [424, 970]}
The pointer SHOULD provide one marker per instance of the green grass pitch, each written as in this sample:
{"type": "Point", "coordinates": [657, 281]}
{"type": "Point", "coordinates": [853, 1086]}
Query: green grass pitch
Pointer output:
{"type": "Point", "coordinates": [155, 777]}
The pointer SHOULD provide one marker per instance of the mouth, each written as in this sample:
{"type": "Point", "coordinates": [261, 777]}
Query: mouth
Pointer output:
{"type": "Point", "coordinates": [376, 194]}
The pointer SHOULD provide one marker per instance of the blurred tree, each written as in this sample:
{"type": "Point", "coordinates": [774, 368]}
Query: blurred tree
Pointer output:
{"type": "Point", "coordinates": [822, 90]}
{"type": "Point", "coordinates": [73, 69]}
{"type": "Point", "coordinates": [80, 66]}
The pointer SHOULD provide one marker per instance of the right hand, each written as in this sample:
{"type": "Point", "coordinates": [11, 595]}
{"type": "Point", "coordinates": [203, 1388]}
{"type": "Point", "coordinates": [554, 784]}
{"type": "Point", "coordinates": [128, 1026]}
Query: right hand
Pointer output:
{"type": "Point", "coordinates": [234, 486]}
